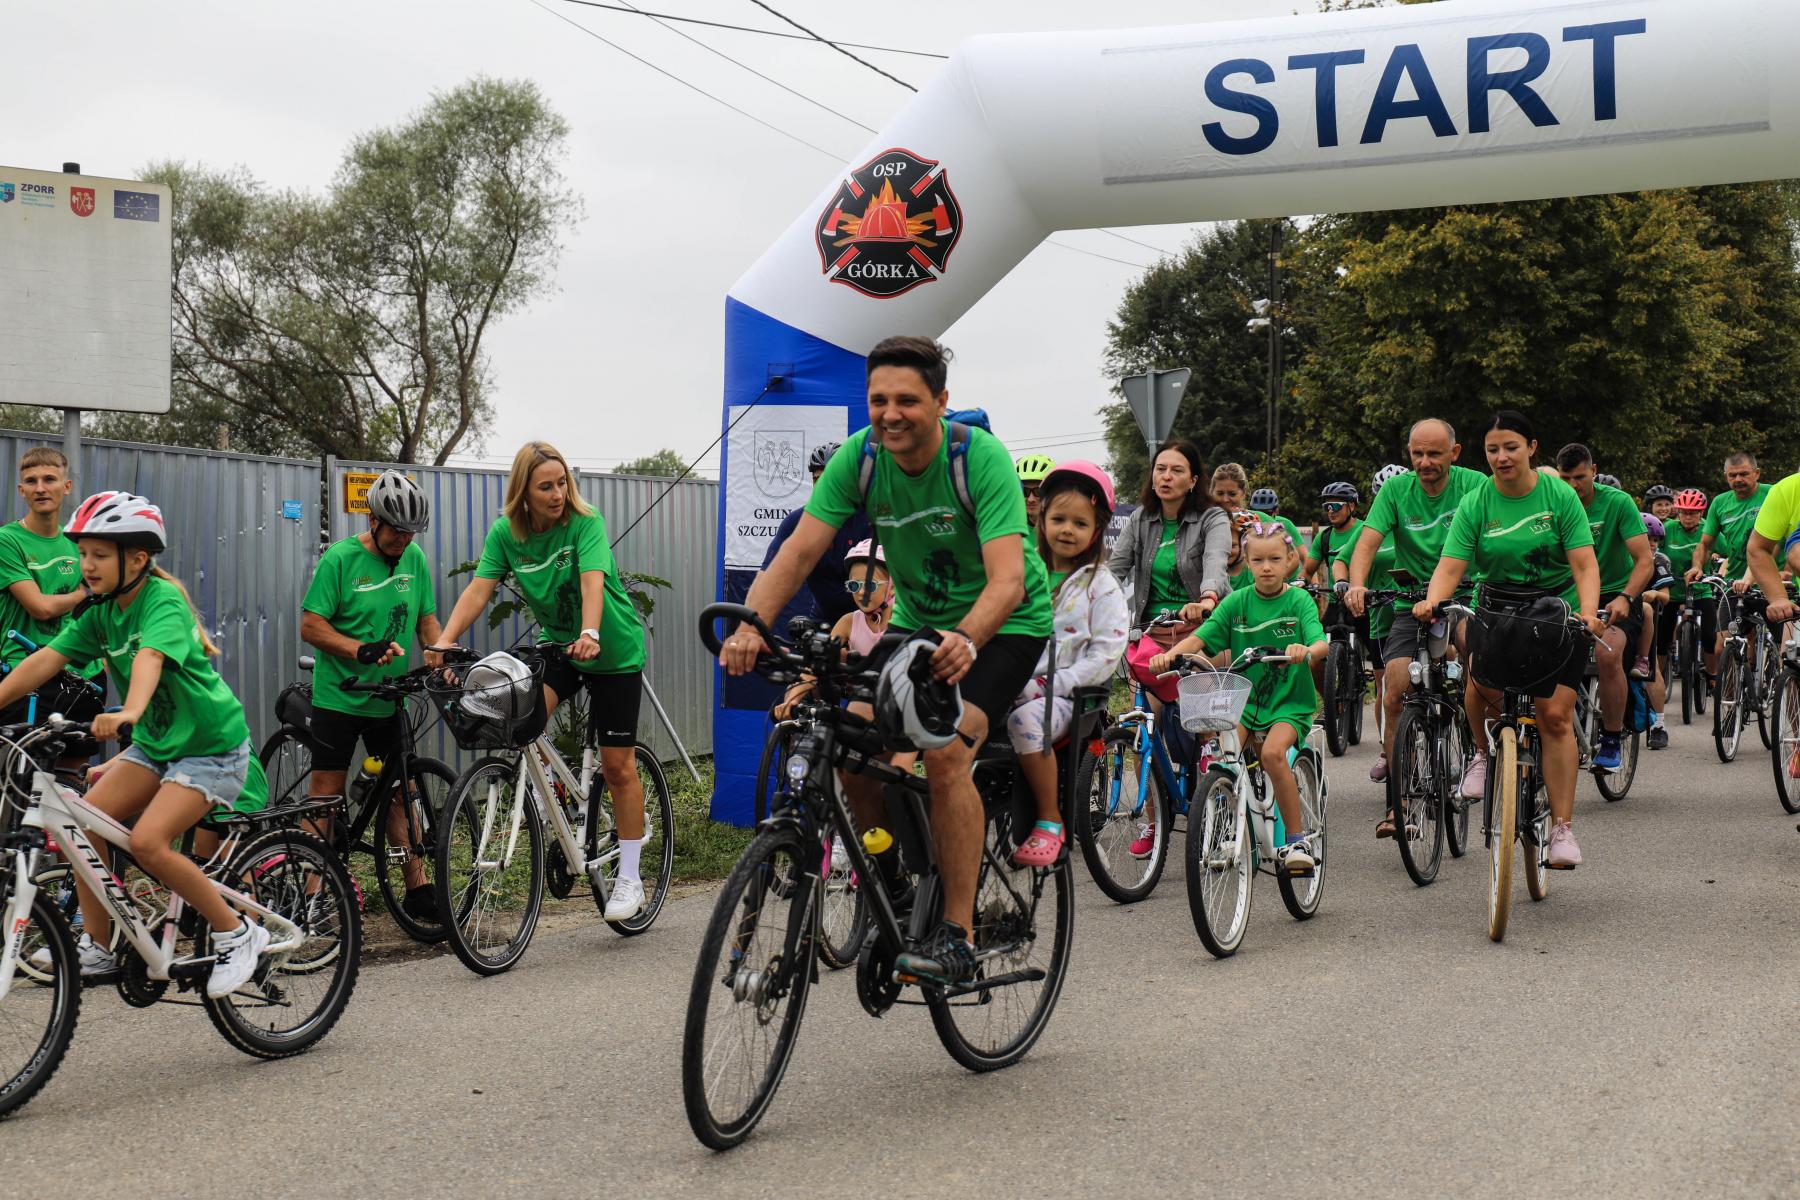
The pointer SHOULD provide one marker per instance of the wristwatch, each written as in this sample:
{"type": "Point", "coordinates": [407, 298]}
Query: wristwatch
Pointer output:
{"type": "Point", "coordinates": [591, 633]}
{"type": "Point", "coordinates": [974, 651]}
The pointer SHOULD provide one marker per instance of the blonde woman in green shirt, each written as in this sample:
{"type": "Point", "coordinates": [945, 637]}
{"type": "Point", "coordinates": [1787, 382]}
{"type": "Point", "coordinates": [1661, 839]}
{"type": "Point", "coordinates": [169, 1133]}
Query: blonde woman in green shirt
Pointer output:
{"type": "Point", "coordinates": [555, 549]}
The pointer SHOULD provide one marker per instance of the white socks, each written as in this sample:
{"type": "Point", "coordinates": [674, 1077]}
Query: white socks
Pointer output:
{"type": "Point", "coordinates": [629, 852]}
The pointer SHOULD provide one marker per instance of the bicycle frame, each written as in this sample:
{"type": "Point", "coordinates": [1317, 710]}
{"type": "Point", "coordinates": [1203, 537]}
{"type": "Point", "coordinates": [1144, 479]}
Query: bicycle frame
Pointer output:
{"type": "Point", "coordinates": [1151, 745]}
{"type": "Point", "coordinates": [540, 769]}
{"type": "Point", "coordinates": [69, 819]}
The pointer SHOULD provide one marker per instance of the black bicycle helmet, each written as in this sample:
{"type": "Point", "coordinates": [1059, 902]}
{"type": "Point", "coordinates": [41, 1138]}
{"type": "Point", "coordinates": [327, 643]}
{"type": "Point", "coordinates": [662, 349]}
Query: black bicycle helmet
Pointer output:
{"type": "Point", "coordinates": [821, 455]}
{"type": "Point", "coordinates": [1340, 491]}
{"type": "Point", "coordinates": [1658, 491]}
{"type": "Point", "coordinates": [1265, 500]}
{"type": "Point", "coordinates": [1611, 481]}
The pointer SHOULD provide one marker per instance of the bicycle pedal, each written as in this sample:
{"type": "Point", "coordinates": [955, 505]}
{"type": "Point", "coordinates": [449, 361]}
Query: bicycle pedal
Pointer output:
{"type": "Point", "coordinates": [192, 970]}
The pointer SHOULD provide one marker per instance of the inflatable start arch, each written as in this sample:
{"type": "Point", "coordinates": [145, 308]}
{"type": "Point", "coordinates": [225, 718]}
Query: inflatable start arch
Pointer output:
{"type": "Point", "coordinates": [1459, 102]}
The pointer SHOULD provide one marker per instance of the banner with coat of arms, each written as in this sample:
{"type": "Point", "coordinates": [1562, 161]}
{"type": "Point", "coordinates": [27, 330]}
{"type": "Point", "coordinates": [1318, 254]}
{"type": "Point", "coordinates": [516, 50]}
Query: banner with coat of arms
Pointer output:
{"type": "Point", "coordinates": [768, 451]}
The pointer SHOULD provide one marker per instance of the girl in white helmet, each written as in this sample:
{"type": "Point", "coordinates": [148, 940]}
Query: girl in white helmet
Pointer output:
{"type": "Point", "coordinates": [872, 590]}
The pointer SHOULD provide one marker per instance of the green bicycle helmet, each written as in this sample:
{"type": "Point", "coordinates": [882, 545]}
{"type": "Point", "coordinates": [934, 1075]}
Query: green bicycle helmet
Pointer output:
{"type": "Point", "coordinates": [1033, 467]}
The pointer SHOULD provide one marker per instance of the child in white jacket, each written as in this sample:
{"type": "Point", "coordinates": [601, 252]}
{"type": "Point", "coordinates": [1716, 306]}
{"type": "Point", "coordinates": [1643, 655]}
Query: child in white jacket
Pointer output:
{"type": "Point", "coordinates": [1088, 636]}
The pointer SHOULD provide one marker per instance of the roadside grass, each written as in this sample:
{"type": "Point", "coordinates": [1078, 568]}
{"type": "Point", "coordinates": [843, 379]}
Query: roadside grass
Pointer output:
{"type": "Point", "coordinates": [705, 849]}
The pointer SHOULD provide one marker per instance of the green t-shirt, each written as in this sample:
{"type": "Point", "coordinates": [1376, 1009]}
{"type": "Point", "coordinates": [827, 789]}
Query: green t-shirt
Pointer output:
{"type": "Point", "coordinates": [1679, 545]}
{"type": "Point", "coordinates": [1780, 515]}
{"type": "Point", "coordinates": [54, 564]}
{"type": "Point", "coordinates": [1245, 579]}
{"type": "Point", "coordinates": [192, 713]}
{"type": "Point", "coordinates": [1166, 590]}
{"type": "Point", "coordinates": [547, 568]}
{"type": "Point", "coordinates": [1729, 522]}
{"type": "Point", "coordinates": [1381, 577]}
{"type": "Point", "coordinates": [1521, 542]}
{"type": "Point", "coordinates": [1056, 581]}
{"type": "Point", "coordinates": [1416, 522]}
{"type": "Point", "coordinates": [1334, 541]}
{"type": "Point", "coordinates": [1613, 519]}
{"type": "Point", "coordinates": [933, 548]}
{"type": "Point", "coordinates": [1246, 618]}
{"type": "Point", "coordinates": [362, 597]}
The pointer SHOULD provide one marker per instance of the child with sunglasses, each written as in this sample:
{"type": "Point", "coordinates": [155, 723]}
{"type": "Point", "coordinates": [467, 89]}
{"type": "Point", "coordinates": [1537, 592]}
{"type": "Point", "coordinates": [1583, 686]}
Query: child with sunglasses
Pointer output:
{"type": "Point", "coordinates": [873, 593]}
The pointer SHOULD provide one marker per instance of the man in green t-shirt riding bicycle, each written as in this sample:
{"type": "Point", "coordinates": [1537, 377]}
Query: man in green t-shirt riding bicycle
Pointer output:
{"type": "Point", "coordinates": [959, 567]}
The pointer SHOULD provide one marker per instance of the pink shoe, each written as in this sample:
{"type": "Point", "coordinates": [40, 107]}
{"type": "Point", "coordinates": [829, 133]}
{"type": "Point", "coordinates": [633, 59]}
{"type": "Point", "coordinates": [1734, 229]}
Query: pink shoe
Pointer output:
{"type": "Point", "coordinates": [1565, 855]}
{"type": "Point", "coordinates": [1378, 771]}
{"type": "Point", "coordinates": [1041, 849]}
{"type": "Point", "coordinates": [1146, 841]}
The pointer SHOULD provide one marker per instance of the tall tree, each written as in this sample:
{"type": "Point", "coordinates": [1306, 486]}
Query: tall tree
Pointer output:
{"type": "Point", "coordinates": [355, 323]}
{"type": "Point", "coordinates": [665, 462]}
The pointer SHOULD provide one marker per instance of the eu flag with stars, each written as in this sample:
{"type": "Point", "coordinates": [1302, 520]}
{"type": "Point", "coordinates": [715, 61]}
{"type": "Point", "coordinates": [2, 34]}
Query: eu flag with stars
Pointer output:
{"type": "Point", "coordinates": [136, 206]}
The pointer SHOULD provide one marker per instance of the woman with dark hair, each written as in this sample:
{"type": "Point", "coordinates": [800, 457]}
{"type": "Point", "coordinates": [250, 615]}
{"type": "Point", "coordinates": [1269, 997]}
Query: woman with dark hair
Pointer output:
{"type": "Point", "coordinates": [1173, 550]}
{"type": "Point", "coordinates": [1526, 535]}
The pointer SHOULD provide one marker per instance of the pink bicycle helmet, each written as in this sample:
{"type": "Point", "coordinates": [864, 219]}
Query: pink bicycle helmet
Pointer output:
{"type": "Point", "coordinates": [860, 553]}
{"type": "Point", "coordinates": [1089, 474]}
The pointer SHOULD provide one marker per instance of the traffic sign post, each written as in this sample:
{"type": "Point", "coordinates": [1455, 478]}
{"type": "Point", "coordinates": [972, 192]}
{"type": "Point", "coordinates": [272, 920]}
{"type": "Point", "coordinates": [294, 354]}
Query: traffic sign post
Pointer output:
{"type": "Point", "coordinates": [1154, 398]}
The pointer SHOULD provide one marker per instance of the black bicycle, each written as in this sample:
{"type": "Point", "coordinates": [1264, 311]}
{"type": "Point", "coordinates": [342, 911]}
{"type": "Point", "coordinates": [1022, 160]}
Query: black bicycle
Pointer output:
{"type": "Point", "coordinates": [755, 968]}
{"type": "Point", "coordinates": [408, 834]}
{"type": "Point", "coordinates": [1344, 681]}
{"type": "Point", "coordinates": [1687, 662]}
{"type": "Point", "coordinates": [1747, 666]}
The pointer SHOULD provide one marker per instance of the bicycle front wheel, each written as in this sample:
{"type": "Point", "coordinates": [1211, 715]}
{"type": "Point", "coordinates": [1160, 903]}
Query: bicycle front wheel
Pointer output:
{"type": "Point", "coordinates": [37, 1018]}
{"type": "Point", "coordinates": [1119, 806]}
{"type": "Point", "coordinates": [1458, 750]}
{"type": "Point", "coordinates": [1416, 797]}
{"type": "Point", "coordinates": [1784, 719]}
{"type": "Point", "coordinates": [1502, 829]}
{"type": "Point", "coordinates": [1766, 677]}
{"type": "Point", "coordinates": [656, 860]}
{"type": "Point", "coordinates": [1615, 784]}
{"type": "Point", "coordinates": [1218, 866]}
{"type": "Point", "coordinates": [1336, 699]}
{"type": "Point", "coordinates": [490, 867]}
{"type": "Point", "coordinates": [413, 839]}
{"type": "Point", "coordinates": [1728, 705]}
{"type": "Point", "coordinates": [843, 913]}
{"type": "Point", "coordinates": [282, 1011]}
{"type": "Point", "coordinates": [1687, 654]}
{"type": "Point", "coordinates": [287, 762]}
{"type": "Point", "coordinates": [1533, 816]}
{"type": "Point", "coordinates": [1301, 893]}
{"type": "Point", "coordinates": [749, 989]}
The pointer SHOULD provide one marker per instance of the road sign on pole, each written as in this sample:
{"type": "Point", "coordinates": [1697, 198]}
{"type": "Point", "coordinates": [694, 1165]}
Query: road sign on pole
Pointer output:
{"type": "Point", "coordinates": [1154, 396]}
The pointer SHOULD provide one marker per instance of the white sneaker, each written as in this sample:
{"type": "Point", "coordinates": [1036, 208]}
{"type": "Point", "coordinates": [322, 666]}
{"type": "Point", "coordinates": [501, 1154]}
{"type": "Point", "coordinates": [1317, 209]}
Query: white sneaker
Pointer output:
{"type": "Point", "coordinates": [94, 960]}
{"type": "Point", "coordinates": [840, 857]}
{"type": "Point", "coordinates": [236, 961]}
{"type": "Point", "coordinates": [627, 900]}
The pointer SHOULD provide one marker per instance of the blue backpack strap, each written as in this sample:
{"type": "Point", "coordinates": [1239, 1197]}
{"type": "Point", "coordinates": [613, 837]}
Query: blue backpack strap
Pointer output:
{"type": "Point", "coordinates": [960, 437]}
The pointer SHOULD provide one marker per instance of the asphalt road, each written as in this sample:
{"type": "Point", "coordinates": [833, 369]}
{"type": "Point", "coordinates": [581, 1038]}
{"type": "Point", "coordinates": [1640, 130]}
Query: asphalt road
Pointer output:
{"type": "Point", "coordinates": [1638, 1034]}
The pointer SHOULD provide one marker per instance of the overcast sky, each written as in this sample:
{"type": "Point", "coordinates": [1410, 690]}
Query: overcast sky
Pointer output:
{"type": "Point", "coordinates": [682, 195]}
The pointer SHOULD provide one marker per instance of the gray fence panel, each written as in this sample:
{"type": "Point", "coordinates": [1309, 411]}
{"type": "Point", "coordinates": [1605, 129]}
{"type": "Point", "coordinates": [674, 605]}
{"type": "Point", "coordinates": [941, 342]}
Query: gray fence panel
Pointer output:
{"type": "Point", "coordinates": [245, 563]}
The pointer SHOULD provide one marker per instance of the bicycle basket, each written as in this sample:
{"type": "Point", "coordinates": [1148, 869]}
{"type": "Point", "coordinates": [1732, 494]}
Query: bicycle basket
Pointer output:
{"type": "Point", "coordinates": [497, 705]}
{"type": "Point", "coordinates": [1212, 701]}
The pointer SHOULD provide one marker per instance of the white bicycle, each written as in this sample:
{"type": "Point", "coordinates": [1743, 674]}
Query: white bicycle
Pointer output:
{"type": "Point", "coordinates": [287, 879]}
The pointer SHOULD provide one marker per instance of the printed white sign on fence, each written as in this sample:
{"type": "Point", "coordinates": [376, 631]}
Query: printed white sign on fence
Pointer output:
{"type": "Point", "coordinates": [768, 450]}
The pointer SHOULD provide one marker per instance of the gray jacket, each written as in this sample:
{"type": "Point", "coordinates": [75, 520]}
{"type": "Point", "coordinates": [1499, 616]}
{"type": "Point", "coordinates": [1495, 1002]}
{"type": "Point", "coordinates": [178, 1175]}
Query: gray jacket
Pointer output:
{"type": "Point", "coordinates": [1201, 547]}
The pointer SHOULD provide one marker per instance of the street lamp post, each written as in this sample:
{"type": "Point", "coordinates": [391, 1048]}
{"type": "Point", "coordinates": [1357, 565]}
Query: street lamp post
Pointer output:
{"type": "Point", "coordinates": [1268, 316]}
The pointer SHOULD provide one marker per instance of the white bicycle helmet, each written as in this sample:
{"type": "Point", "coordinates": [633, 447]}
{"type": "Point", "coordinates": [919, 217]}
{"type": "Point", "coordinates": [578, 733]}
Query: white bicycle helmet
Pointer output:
{"type": "Point", "coordinates": [120, 517]}
{"type": "Point", "coordinates": [912, 708]}
{"type": "Point", "coordinates": [498, 688]}
{"type": "Point", "coordinates": [396, 500]}
{"type": "Point", "coordinates": [1391, 471]}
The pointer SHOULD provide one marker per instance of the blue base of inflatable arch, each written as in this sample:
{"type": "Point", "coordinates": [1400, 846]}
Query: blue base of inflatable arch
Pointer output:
{"type": "Point", "coordinates": [812, 372]}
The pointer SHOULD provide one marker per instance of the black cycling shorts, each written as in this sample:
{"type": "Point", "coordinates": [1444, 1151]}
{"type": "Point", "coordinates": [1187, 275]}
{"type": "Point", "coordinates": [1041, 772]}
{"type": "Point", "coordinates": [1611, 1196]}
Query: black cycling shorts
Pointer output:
{"type": "Point", "coordinates": [1002, 669]}
{"type": "Point", "coordinates": [335, 734]}
{"type": "Point", "coordinates": [1633, 625]}
{"type": "Point", "coordinates": [613, 699]}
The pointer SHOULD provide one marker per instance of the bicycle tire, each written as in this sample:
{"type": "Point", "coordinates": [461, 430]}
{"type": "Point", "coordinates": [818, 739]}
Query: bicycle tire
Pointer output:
{"type": "Point", "coordinates": [843, 915]}
{"type": "Point", "coordinates": [1502, 811]}
{"type": "Point", "coordinates": [1358, 689]}
{"type": "Point", "coordinates": [999, 887]}
{"type": "Point", "coordinates": [776, 978]}
{"type": "Point", "coordinates": [1689, 669]}
{"type": "Point", "coordinates": [1533, 818]}
{"type": "Point", "coordinates": [1105, 830]}
{"type": "Point", "coordinates": [298, 876]}
{"type": "Point", "coordinates": [1615, 785]}
{"type": "Point", "coordinates": [286, 759]}
{"type": "Point", "coordinates": [768, 780]}
{"type": "Point", "coordinates": [1218, 861]}
{"type": "Point", "coordinates": [1766, 673]}
{"type": "Point", "coordinates": [461, 882]}
{"type": "Point", "coordinates": [1785, 754]}
{"type": "Point", "coordinates": [58, 994]}
{"type": "Point", "coordinates": [423, 823]}
{"type": "Point", "coordinates": [658, 851]}
{"type": "Point", "coordinates": [1728, 705]}
{"type": "Point", "coordinates": [1457, 805]}
{"type": "Point", "coordinates": [1416, 797]}
{"type": "Point", "coordinates": [1337, 736]}
{"type": "Point", "coordinates": [1302, 893]}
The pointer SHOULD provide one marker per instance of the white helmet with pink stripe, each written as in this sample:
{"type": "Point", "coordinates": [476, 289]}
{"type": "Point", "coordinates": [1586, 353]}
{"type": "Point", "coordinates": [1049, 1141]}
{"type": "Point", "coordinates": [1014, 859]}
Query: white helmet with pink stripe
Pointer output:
{"type": "Point", "coordinates": [860, 553]}
{"type": "Point", "coordinates": [122, 518]}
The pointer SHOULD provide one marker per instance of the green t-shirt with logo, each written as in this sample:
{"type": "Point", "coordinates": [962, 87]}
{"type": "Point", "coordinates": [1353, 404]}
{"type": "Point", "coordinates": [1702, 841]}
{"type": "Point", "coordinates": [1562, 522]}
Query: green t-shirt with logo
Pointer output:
{"type": "Point", "coordinates": [1404, 514]}
{"type": "Point", "coordinates": [54, 564]}
{"type": "Point", "coordinates": [547, 569]}
{"type": "Point", "coordinates": [1333, 542]}
{"type": "Point", "coordinates": [361, 597]}
{"type": "Point", "coordinates": [1166, 590]}
{"type": "Point", "coordinates": [1381, 578]}
{"type": "Point", "coordinates": [933, 548]}
{"type": "Point", "coordinates": [1613, 519]}
{"type": "Point", "coordinates": [1245, 579]}
{"type": "Point", "coordinates": [192, 714]}
{"type": "Point", "coordinates": [1729, 522]}
{"type": "Point", "coordinates": [1246, 619]}
{"type": "Point", "coordinates": [1679, 545]}
{"type": "Point", "coordinates": [1522, 542]}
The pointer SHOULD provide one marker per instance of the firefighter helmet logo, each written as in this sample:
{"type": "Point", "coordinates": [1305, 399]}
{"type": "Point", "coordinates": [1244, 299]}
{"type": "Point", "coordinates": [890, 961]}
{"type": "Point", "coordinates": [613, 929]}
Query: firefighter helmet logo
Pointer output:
{"type": "Point", "coordinates": [891, 226]}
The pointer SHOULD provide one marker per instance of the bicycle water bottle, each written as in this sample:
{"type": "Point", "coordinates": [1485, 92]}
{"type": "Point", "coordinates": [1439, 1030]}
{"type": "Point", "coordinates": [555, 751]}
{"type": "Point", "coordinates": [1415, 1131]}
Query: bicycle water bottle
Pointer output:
{"type": "Point", "coordinates": [879, 845]}
{"type": "Point", "coordinates": [364, 783]}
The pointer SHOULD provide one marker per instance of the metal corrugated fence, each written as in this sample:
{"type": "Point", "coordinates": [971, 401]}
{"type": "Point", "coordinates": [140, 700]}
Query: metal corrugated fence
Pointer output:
{"type": "Point", "coordinates": [244, 562]}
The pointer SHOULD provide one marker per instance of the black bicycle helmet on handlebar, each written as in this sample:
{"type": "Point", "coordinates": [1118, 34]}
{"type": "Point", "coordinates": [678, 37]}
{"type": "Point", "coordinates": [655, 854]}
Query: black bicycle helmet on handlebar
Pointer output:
{"type": "Point", "coordinates": [911, 707]}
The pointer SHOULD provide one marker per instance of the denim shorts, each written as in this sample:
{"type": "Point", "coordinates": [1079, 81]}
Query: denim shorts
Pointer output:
{"type": "Point", "coordinates": [218, 777]}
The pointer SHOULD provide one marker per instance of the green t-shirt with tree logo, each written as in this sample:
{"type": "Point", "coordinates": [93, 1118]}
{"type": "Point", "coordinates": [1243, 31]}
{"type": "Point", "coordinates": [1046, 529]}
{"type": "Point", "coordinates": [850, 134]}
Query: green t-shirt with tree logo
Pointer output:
{"type": "Point", "coordinates": [1246, 619]}
{"type": "Point", "coordinates": [1523, 541]}
{"type": "Point", "coordinates": [1679, 545]}
{"type": "Point", "coordinates": [933, 548]}
{"type": "Point", "coordinates": [1613, 519]}
{"type": "Point", "coordinates": [54, 564]}
{"type": "Point", "coordinates": [1416, 522]}
{"type": "Point", "coordinates": [547, 569]}
{"type": "Point", "coordinates": [362, 597]}
{"type": "Point", "coordinates": [1729, 522]}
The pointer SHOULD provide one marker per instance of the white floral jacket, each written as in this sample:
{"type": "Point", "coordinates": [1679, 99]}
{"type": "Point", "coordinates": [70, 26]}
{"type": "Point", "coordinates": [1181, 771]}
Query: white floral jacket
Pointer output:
{"type": "Point", "coordinates": [1092, 623]}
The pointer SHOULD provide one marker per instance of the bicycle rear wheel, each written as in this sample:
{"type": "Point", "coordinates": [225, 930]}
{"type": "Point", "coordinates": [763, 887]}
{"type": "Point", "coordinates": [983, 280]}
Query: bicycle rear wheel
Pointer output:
{"type": "Point", "coordinates": [281, 1012]}
{"type": "Point", "coordinates": [490, 887]}
{"type": "Point", "coordinates": [1766, 676]}
{"type": "Point", "coordinates": [37, 1018]}
{"type": "Point", "coordinates": [1615, 784]}
{"type": "Point", "coordinates": [1357, 691]}
{"type": "Point", "coordinates": [1784, 718]}
{"type": "Point", "coordinates": [843, 914]}
{"type": "Point", "coordinates": [656, 861]}
{"type": "Point", "coordinates": [749, 989]}
{"type": "Point", "coordinates": [424, 799]}
{"type": "Point", "coordinates": [1728, 705]}
{"type": "Point", "coordinates": [1457, 750]}
{"type": "Point", "coordinates": [1502, 815]}
{"type": "Point", "coordinates": [287, 762]}
{"type": "Point", "coordinates": [1533, 817]}
{"type": "Point", "coordinates": [1024, 926]}
{"type": "Point", "coordinates": [1118, 794]}
{"type": "Point", "coordinates": [1416, 797]}
{"type": "Point", "coordinates": [1301, 893]}
{"type": "Point", "coordinates": [1688, 665]}
{"type": "Point", "coordinates": [1337, 731]}
{"type": "Point", "coordinates": [1218, 866]}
